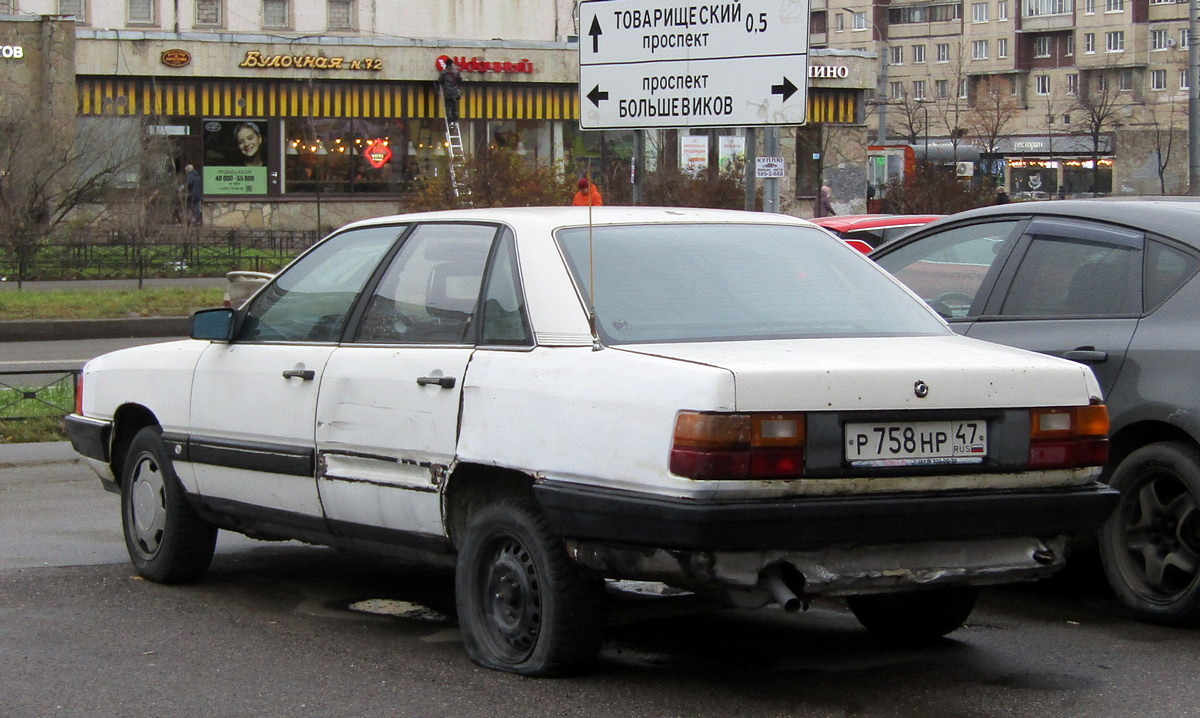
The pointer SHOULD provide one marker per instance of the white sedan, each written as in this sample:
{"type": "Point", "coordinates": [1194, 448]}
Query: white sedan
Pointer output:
{"type": "Point", "coordinates": [734, 404]}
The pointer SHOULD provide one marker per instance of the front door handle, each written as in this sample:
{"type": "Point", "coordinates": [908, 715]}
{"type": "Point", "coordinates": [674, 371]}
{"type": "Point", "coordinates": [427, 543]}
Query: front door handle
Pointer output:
{"type": "Point", "coordinates": [1091, 356]}
{"type": "Point", "coordinates": [302, 374]}
{"type": "Point", "coordinates": [446, 382]}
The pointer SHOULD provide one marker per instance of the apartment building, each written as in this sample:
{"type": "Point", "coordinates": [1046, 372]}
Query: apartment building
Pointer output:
{"type": "Point", "coordinates": [1047, 96]}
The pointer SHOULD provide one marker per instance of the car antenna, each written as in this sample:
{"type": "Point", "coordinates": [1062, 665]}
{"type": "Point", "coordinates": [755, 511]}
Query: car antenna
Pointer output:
{"type": "Point", "coordinates": [596, 346]}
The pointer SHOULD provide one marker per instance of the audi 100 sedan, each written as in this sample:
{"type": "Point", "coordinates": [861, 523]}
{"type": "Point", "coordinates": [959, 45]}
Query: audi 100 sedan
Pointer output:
{"type": "Point", "coordinates": [735, 404]}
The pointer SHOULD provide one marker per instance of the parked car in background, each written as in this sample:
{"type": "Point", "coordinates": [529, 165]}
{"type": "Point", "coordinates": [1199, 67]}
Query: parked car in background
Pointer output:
{"type": "Point", "coordinates": [732, 403]}
{"type": "Point", "coordinates": [867, 231]}
{"type": "Point", "coordinates": [1112, 284]}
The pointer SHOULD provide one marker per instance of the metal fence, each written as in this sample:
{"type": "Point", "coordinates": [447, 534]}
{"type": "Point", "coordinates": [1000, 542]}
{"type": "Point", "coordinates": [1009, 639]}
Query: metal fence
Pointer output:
{"type": "Point", "coordinates": [170, 252]}
{"type": "Point", "coordinates": [37, 393]}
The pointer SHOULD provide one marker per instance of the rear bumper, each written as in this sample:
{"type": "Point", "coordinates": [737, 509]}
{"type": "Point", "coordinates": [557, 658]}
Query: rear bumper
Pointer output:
{"type": "Point", "coordinates": [591, 514]}
{"type": "Point", "coordinates": [92, 439]}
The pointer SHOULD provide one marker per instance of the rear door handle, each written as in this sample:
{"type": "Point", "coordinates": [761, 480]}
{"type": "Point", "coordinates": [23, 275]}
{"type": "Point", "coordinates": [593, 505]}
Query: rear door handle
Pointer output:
{"type": "Point", "coordinates": [446, 382]}
{"type": "Point", "coordinates": [1087, 355]}
{"type": "Point", "coordinates": [302, 374]}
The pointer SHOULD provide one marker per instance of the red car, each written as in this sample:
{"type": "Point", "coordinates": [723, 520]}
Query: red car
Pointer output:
{"type": "Point", "coordinates": [864, 232]}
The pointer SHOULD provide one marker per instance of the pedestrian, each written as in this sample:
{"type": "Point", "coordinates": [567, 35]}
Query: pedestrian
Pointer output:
{"type": "Point", "coordinates": [1001, 196]}
{"type": "Point", "coordinates": [450, 84]}
{"type": "Point", "coordinates": [823, 204]}
{"type": "Point", "coordinates": [588, 194]}
{"type": "Point", "coordinates": [1062, 191]}
{"type": "Point", "coordinates": [195, 191]}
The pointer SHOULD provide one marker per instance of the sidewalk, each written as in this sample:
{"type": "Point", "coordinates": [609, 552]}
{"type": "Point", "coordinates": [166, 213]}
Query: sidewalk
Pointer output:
{"type": "Point", "coordinates": [50, 452]}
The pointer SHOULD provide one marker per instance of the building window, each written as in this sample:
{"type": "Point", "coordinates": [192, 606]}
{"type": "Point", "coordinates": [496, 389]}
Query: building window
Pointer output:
{"type": "Point", "coordinates": [918, 53]}
{"type": "Point", "coordinates": [897, 55]}
{"type": "Point", "coordinates": [1158, 79]}
{"type": "Point", "coordinates": [1089, 42]}
{"type": "Point", "coordinates": [1043, 84]}
{"type": "Point", "coordinates": [1158, 39]}
{"type": "Point", "coordinates": [1125, 80]}
{"type": "Point", "coordinates": [75, 8]}
{"type": "Point", "coordinates": [1114, 41]}
{"type": "Point", "coordinates": [1114, 5]}
{"type": "Point", "coordinates": [860, 21]}
{"type": "Point", "coordinates": [941, 88]}
{"type": "Point", "coordinates": [1002, 47]}
{"type": "Point", "coordinates": [1069, 46]}
{"type": "Point", "coordinates": [1183, 38]}
{"type": "Point", "coordinates": [896, 90]}
{"type": "Point", "coordinates": [1162, 2]}
{"type": "Point", "coordinates": [839, 22]}
{"type": "Point", "coordinates": [276, 13]}
{"type": "Point", "coordinates": [918, 89]}
{"type": "Point", "coordinates": [1034, 8]}
{"type": "Point", "coordinates": [1089, 7]}
{"type": "Point", "coordinates": [962, 88]}
{"type": "Point", "coordinates": [1072, 85]}
{"type": "Point", "coordinates": [943, 52]}
{"type": "Point", "coordinates": [341, 14]}
{"type": "Point", "coordinates": [141, 12]}
{"type": "Point", "coordinates": [1183, 79]}
{"type": "Point", "coordinates": [1041, 46]}
{"type": "Point", "coordinates": [209, 13]}
{"type": "Point", "coordinates": [979, 49]}
{"type": "Point", "coordinates": [979, 12]}
{"type": "Point", "coordinates": [1002, 10]}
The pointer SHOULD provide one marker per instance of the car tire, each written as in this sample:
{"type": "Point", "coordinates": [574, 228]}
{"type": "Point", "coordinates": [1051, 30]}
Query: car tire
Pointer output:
{"type": "Point", "coordinates": [914, 616]}
{"type": "Point", "coordinates": [523, 605]}
{"type": "Point", "coordinates": [1150, 546]}
{"type": "Point", "coordinates": [167, 541]}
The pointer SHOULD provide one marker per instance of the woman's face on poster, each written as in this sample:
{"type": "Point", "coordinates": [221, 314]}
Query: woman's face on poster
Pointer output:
{"type": "Point", "coordinates": [248, 142]}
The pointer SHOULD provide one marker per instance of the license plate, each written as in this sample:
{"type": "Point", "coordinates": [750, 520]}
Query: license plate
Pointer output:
{"type": "Point", "coordinates": [917, 443]}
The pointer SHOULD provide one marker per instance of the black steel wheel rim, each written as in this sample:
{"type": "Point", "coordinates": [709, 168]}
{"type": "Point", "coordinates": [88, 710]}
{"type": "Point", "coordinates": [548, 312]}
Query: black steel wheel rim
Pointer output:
{"type": "Point", "coordinates": [511, 598]}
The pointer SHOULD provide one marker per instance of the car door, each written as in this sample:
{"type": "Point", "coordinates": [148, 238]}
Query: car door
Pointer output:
{"type": "Point", "coordinates": [387, 417]}
{"type": "Point", "coordinates": [254, 398]}
{"type": "Point", "coordinates": [1075, 291]}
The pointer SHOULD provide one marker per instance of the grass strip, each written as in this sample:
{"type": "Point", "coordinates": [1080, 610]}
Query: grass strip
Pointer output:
{"type": "Point", "coordinates": [108, 304]}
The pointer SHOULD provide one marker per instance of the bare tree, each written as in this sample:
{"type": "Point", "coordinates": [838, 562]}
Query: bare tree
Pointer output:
{"type": "Point", "coordinates": [912, 117]}
{"type": "Point", "coordinates": [54, 170]}
{"type": "Point", "coordinates": [1097, 106]}
{"type": "Point", "coordinates": [1166, 120]}
{"type": "Point", "coordinates": [952, 109]}
{"type": "Point", "coordinates": [992, 116]}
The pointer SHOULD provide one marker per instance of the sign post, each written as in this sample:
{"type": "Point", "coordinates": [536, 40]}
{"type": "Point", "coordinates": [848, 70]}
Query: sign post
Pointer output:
{"type": "Point", "coordinates": [684, 63]}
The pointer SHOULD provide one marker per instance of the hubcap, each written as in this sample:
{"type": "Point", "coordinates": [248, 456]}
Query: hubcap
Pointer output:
{"type": "Point", "coordinates": [512, 599]}
{"type": "Point", "coordinates": [147, 505]}
{"type": "Point", "coordinates": [1161, 531]}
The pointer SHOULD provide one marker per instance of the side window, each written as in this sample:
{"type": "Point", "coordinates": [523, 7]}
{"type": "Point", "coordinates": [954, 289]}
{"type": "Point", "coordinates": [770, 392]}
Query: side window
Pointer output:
{"type": "Point", "coordinates": [504, 319]}
{"type": "Point", "coordinates": [430, 292]}
{"type": "Point", "coordinates": [310, 300]}
{"type": "Point", "coordinates": [947, 269]}
{"type": "Point", "coordinates": [1063, 277]}
{"type": "Point", "coordinates": [1167, 268]}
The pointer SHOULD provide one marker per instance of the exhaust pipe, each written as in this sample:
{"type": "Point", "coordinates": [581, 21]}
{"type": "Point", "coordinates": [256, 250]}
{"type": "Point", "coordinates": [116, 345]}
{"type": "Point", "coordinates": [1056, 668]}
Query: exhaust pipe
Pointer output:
{"type": "Point", "coordinates": [782, 581]}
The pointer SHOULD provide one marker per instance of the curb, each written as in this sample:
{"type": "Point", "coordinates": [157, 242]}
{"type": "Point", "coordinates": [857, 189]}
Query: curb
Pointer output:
{"type": "Point", "coordinates": [35, 330]}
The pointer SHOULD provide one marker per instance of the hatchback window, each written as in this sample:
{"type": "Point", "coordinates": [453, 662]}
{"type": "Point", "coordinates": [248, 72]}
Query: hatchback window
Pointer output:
{"type": "Point", "coordinates": [504, 319]}
{"type": "Point", "coordinates": [309, 301]}
{"type": "Point", "coordinates": [1071, 278]}
{"type": "Point", "coordinates": [947, 269]}
{"type": "Point", "coordinates": [698, 282]}
{"type": "Point", "coordinates": [429, 293]}
{"type": "Point", "coordinates": [1167, 268]}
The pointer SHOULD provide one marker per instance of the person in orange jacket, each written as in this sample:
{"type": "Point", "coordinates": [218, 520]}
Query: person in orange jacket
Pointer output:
{"type": "Point", "coordinates": [588, 194]}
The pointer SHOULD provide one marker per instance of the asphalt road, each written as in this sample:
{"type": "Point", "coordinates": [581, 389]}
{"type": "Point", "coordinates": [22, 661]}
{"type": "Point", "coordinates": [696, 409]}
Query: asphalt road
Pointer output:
{"type": "Point", "coordinates": [292, 630]}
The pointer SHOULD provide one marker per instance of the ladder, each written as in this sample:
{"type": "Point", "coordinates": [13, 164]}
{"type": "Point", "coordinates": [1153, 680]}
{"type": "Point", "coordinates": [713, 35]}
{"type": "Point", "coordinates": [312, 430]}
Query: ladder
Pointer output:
{"type": "Point", "coordinates": [454, 153]}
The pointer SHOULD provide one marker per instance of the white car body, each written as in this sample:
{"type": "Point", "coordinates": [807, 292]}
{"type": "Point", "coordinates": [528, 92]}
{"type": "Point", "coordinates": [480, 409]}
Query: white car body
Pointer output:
{"type": "Point", "coordinates": [357, 453]}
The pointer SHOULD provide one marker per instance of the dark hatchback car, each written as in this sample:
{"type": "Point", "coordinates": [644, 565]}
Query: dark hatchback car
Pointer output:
{"type": "Point", "coordinates": [1111, 284]}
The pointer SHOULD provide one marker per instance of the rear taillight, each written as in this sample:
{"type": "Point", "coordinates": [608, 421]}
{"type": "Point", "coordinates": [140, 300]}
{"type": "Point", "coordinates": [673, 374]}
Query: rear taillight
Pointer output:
{"type": "Point", "coordinates": [79, 393]}
{"type": "Point", "coordinates": [1068, 437]}
{"type": "Point", "coordinates": [738, 446]}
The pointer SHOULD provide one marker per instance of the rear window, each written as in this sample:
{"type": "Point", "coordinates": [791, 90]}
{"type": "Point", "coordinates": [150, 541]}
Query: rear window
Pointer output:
{"type": "Point", "coordinates": [699, 282]}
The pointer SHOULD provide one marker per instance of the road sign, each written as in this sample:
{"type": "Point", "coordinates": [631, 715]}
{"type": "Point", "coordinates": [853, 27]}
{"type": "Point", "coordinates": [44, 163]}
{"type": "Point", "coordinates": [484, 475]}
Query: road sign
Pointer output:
{"type": "Point", "coordinates": [768, 167]}
{"type": "Point", "coordinates": [684, 63]}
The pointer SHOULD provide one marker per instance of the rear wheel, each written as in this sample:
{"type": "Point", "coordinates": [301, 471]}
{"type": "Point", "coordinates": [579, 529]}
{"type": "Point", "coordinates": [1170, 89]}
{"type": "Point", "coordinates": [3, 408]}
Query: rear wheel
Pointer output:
{"type": "Point", "coordinates": [915, 616]}
{"type": "Point", "coordinates": [167, 541]}
{"type": "Point", "coordinates": [1150, 546]}
{"type": "Point", "coordinates": [523, 605]}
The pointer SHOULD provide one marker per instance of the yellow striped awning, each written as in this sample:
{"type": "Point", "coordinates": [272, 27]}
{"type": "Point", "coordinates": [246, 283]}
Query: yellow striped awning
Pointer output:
{"type": "Point", "coordinates": [837, 106]}
{"type": "Point", "coordinates": [280, 98]}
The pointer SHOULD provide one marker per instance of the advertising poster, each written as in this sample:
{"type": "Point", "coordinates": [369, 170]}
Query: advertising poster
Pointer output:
{"type": "Point", "coordinates": [235, 157]}
{"type": "Point", "coordinates": [693, 153]}
{"type": "Point", "coordinates": [732, 149]}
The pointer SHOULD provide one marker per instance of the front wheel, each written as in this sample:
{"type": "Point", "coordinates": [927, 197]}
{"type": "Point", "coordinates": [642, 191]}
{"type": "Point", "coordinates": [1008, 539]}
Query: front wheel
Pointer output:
{"type": "Point", "coordinates": [167, 541]}
{"type": "Point", "coordinates": [523, 605]}
{"type": "Point", "coordinates": [915, 616]}
{"type": "Point", "coordinates": [1150, 546]}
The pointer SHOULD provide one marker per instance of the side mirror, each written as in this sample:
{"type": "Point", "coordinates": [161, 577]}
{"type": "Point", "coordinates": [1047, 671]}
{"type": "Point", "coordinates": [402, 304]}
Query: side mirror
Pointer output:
{"type": "Point", "coordinates": [213, 324]}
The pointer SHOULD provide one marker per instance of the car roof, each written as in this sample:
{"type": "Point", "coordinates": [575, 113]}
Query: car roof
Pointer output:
{"type": "Point", "coordinates": [550, 218]}
{"type": "Point", "coordinates": [852, 222]}
{"type": "Point", "coordinates": [1175, 217]}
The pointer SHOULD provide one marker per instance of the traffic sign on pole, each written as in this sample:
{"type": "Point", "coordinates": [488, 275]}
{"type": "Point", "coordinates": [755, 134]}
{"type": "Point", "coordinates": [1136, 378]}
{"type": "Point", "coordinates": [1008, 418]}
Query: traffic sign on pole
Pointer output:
{"type": "Point", "coordinates": [683, 63]}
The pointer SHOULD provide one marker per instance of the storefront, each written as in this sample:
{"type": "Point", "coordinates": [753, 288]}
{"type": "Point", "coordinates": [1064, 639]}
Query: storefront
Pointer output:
{"type": "Point", "coordinates": [1046, 167]}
